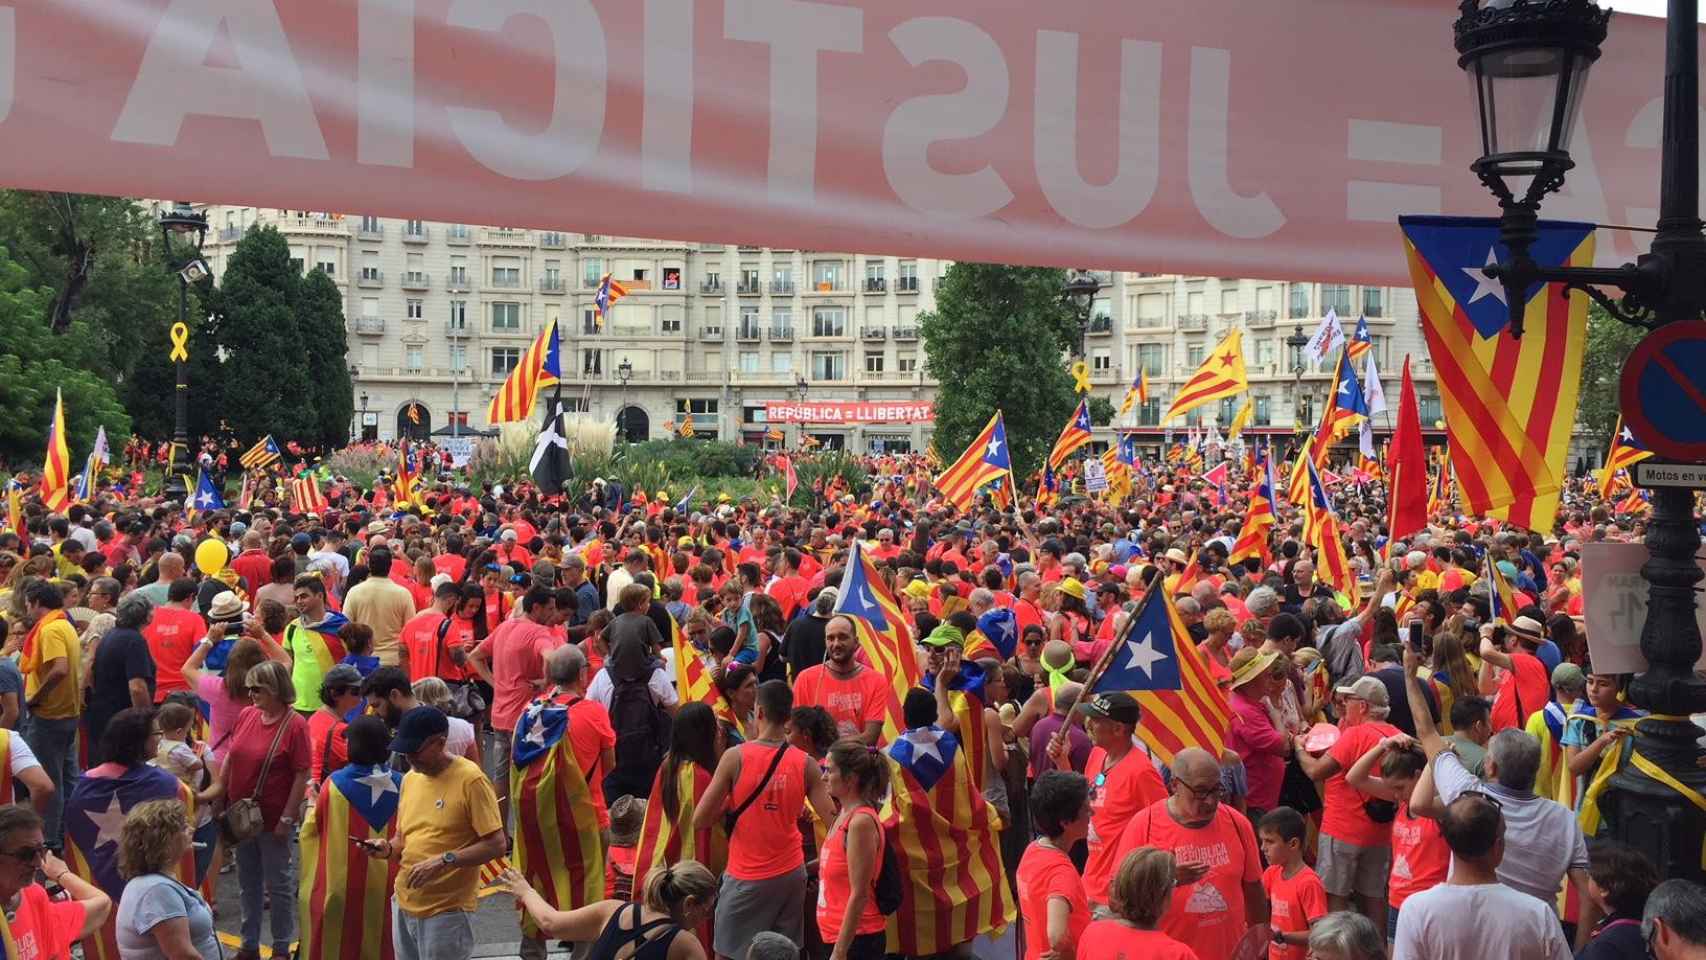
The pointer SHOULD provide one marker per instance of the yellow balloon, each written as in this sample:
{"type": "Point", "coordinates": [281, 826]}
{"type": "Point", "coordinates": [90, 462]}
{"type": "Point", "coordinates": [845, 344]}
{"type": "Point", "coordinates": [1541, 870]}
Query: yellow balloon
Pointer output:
{"type": "Point", "coordinates": [210, 556]}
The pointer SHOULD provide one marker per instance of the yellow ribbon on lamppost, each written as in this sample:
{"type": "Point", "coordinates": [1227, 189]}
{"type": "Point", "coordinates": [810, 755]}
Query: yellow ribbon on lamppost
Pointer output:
{"type": "Point", "coordinates": [1081, 377]}
{"type": "Point", "coordinates": [180, 343]}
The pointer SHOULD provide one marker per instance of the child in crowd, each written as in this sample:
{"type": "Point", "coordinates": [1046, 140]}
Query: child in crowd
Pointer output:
{"type": "Point", "coordinates": [358, 641]}
{"type": "Point", "coordinates": [627, 816]}
{"type": "Point", "coordinates": [1295, 893]}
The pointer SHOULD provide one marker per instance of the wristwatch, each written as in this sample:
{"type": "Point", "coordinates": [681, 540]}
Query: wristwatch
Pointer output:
{"type": "Point", "coordinates": [1279, 935]}
{"type": "Point", "coordinates": [449, 858]}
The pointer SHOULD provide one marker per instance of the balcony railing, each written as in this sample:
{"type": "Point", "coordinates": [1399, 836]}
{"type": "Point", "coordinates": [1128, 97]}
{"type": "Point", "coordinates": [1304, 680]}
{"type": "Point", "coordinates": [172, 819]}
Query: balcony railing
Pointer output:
{"type": "Point", "coordinates": [710, 333]}
{"type": "Point", "coordinates": [906, 285]}
{"type": "Point", "coordinates": [783, 288]}
{"type": "Point", "coordinates": [1193, 321]}
{"type": "Point", "coordinates": [505, 283]}
{"type": "Point", "coordinates": [370, 325]}
{"type": "Point", "coordinates": [457, 283]}
{"type": "Point", "coordinates": [505, 237]}
{"type": "Point", "coordinates": [371, 279]}
{"type": "Point", "coordinates": [1101, 324]}
{"type": "Point", "coordinates": [553, 241]}
{"type": "Point", "coordinates": [456, 329]}
{"type": "Point", "coordinates": [874, 333]}
{"type": "Point", "coordinates": [416, 234]}
{"type": "Point", "coordinates": [782, 334]}
{"type": "Point", "coordinates": [551, 285]}
{"type": "Point", "coordinates": [711, 286]}
{"type": "Point", "coordinates": [370, 231]}
{"type": "Point", "coordinates": [833, 285]}
{"type": "Point", "coordinates": [748, 332]}
{"type": "Point", "coordinates": [230, 234]}
{"type": "Point", "coordinates": [749, 288]}
{"type": "Point", "coordinates": [876, 284]}
{"type": "Point", "coordinates": [458, 236]}
{"type": "Point", "coordinates": [906, 333]}
{"type": "Point", "coordinates": [1261, 318]}
{"type": "Point", "coordinates": [416, 280]}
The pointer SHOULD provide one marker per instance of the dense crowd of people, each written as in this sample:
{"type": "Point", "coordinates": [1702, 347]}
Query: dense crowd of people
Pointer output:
{"type": "Point", "coordinates": [656, 728]}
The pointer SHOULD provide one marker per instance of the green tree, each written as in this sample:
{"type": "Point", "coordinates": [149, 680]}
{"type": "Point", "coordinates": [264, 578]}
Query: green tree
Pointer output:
{"type": "Point", "coordinates": [263, 364]}
{"type": "Point", "coordinates": [997, 340]}
{"type": "Point", "coordinates": [1609, 342]}
{"type": "Point", "coordinates": [35, 363]}
{"type": "Point", "coordinates": [320, 314]}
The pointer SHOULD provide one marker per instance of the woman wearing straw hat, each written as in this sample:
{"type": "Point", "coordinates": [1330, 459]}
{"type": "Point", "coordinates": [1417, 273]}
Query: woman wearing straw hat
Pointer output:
{"type": "Point", "coordinates": [1255, 737]}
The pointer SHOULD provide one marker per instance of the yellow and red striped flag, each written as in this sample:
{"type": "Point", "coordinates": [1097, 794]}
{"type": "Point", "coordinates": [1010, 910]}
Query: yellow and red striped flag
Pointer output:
{"type": "Point", "coordinates": [1501, 599]}
{"type": "Point", "coordinates": [558, 845]}
{"type": "Point", "coordinates": [1625, 452]}
{"type": "Point", "coordinates": [1221, 375]}
{"type": "Point", "coordinates": [1321, 531]}
{"type": "Point", "coordinates": [15, 508]}
{"type": "Point", "coordinates": [56, 470]}
{"type": "Point", "coordinates": [1241, 419]}
{"type": "Point", "coordinates": [94, 803]}
{"type": "Point", "coordinates": [305, 495]}
{"type": "Point", "coordinates": [669, 833]}
{"type": "Point", "coordinates": [984, 461]}
{"type": "Point", "coordinates": [883, 632]}
{"type": "Point", "coordinates": [540, 366]}
{"type": "Point", "coordinates": [692, 680]}
{"type": "Point", "coordinates": [1509, 440]}
{"type": "Point", "coordinates": [345, 894]}
{"type": "Point", "coordinates": [947, 839]}
{"type": "Point", "coordinates": [1259, 519]}
{"type": "Point", "coordinates": [1074, 435]}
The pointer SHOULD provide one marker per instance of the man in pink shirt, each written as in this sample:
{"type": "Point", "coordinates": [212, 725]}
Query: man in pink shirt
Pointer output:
{"type": "Point", "coordinates": [512, 660]}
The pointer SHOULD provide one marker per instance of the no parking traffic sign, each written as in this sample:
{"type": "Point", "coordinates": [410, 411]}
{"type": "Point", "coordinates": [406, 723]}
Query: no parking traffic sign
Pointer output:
{"type": "Point", "coordinates": [1663, 391]}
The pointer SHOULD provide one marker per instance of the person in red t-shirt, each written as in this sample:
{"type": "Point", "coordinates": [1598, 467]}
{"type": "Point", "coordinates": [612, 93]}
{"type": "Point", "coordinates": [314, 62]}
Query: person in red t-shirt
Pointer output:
{"type": "Point", "coordinates": [1524, 686]}
{"type": "Point", "coordinates": [789, 588]}
{"type": "Point", "coordinates": [172, 634]}
{"type": "Point", "coordinates": [1296, 898]}
{"type": "Point", "coordinates": [1123, 781]}
{"type": "Point", "coordinates": [1219, 895]}
{"type": "Point", "coordinates": [428, 651]}
{"type": "Point", "coordinates": [1355, 852]}
{"type": "Point", "coordinates": [854, 695]}
{"type": "Point", "coordinates": [1050, 893]}
{"type": "Point", "coordinates": [42, 928]}
{"type": "Point", "coordinates": [1420, 857]}
{"type": "Point", "coordinates": [1142, 895]}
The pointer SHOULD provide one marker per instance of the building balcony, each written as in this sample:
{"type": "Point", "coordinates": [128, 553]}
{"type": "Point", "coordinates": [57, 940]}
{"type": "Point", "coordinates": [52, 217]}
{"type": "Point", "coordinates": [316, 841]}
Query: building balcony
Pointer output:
{"type": "Point", "coordinates": [551, 285]}
{"type": "Point", "coordinates": [1193, 321]}
{"type": "Point", "coordinates": [876, 284]}
{"type": "Point", "coordinates": [371, 279]}
{"type": "Point", "coordinates": [417, 233]}
{"type": "Point", "coordinates": [323, 225]}
{"type": "Point", "coordinates": [711, 286]}
{"type": "Point", "coordinates": [781, 334]}
{"type": "Point", "coordinates": [370, 231]}
{"type": "Point", "coordinates": [551, 240]}
{"type": "Point", "coordinates": [782, 288]}
{"type": "Point", "coordinates": [502, 237]}
{"type": "Point", "coordinates": [504, 283]}
{"type": "Point", "coordinates": [458, 235]}
{"type": "Point", "coordinates": [1101, 325]}
{"type": "Point", "coordinates": [371, 326]}
{"type": "Point", "coordinates": [702, 376]}
{"type": "Point", "coordinates": [416, 280]}
{"type": "Point", "coordinates": [456, 329]}
{"type": "Point", "coordinates": [1105, 375]}
{"type": "Point", "coordinates": [874, 334]}
{"type": "Point", "coordinates": [748, 334]}
{"type": "Point", "coordinates": [836, 285]}
{"type": "Point", "coordinates": [457, 283]}
{"type": "Point", "coordinates": [749, 288]}
{"type": "Point", "coordinates": [711, 333]}
{"type": "Point", "coordinates": [906, 285]}
{"type": "Point", "coordinates": [230, 234]}
{"type": "Point", "coordinates": [1261, 319]}
{"type": "Point", "coordinates": [906, 333]}
{"type": "Point", "coordinates": [633, 286]}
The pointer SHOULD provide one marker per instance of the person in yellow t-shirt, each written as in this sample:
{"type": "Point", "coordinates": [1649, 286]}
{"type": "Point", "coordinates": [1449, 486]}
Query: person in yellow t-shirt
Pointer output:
{"type": "Point", "coordinates": [55, 698]}
{"type": "Point", "coordinates": [447, 827]}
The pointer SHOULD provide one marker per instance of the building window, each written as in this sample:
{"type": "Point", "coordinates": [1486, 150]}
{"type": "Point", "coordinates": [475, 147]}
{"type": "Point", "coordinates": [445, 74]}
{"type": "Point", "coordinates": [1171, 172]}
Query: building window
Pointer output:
{"type": "Point", "coordinates": [370, 307]}
{"type": "Point", "coordinates": [296, 264]}
{"type": "Point", "coordinates": [669, 318]}
{"type": "Point", "coordinates": [906, 363]}
{"type": "Point", "coordinates": [754, 413]}
{"type": "Point", "coordinates": [781, 362]}
{"type": "Point", "coordinates": [1299, 301]}
{"type": "Point", "coordinates": [506, 273]}
{"type": "Point", "coordinates": [592, 361]}
{"type": "Point", "coordinates": [1101, 361]}
{"type": "Point", "coordinates": [1262, 414]}
{"type": "Point", "coordinates": [369, 225]}
{"type": "Point", "coordinates": [699, 408]}
{"type": "Point", "coordinates": [328, 267]}
{"type": "Point", "coordinates": [458, 231]}
{"type": "Point", "coordinates": [1193, 356]}
{"type": "Point", "coordinates": [506, 317]}
{"type": "Point", "coordinates": [1337, 298]}
{"type": "Point", "coordinates": [1373, 302]}
{"type": "Point", "coordinates": [750, 361]}
{"type": "Point", "coordinates": [504, 359]}
{"type": "Point", "coordinates": [592, 271]}
{"type": "Point", "coordinates": [874, 363]}
{"type": "Point", "coordinates": [414, 357]}
{"type": "Point", "coordinates": [829, 366]}
{"type": "Point", "coordinates": [416, 308]}
{"type": "Point", "coordinates": [1194, 304]}
{"type": "Point", "coordinates": [829, 322]}
{"type": "Point", "coordinates": [458, 357]}
{"type": "Point", "coordinates": [1149, 412]}
{"type": "Point", "coordinates": [1152, 358]}
{"type": "Point", "coordinates": [826, 274]}
{"type": "Point", "coordinates": [1152, 310]}
{"type": "Point", "coordinates": [749, 281]}
{"type": "Point", "coordinates": [672, 278]}
{"type": "Point", "coordinates": [907, 276]}
{"type": "Point", "coordinates": [1430, 411]}
{"type": "Point", "coordinates": [458, 314]}
{"type": "Point", "coordinates": [1264, 352]}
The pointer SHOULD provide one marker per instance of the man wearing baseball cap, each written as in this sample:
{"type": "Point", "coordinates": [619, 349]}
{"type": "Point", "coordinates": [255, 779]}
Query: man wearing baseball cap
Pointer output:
{"type": "Point", "coordinates": [1122, 782]}
{"type": "Point", "coordinates": [447, 827]}
{"type": "Point", "coordinates": [1355, 853]}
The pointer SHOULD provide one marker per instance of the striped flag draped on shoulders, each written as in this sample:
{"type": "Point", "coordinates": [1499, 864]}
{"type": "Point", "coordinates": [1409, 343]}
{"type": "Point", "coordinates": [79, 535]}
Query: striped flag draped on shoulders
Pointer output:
{"type": "Point", "coordinates": [884, 634]}
{"type": "Point", "coordinates": [94, 823]}
{"type": "Point", "coordinates": [1508, 439]}
{"type": "Point", "coordinates": [540, 366]}
{"type": "Point", "coordinates": [946, 837]}
{"type": "Point", "coordinates": [344, 900]}
{"type": "Point", "coordinates": [558, 845]}
{"type": "Point", "coordinates": [669, 833]}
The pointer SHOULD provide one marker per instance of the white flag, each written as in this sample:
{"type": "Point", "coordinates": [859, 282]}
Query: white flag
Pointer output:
{"type": "Point", "coordinates": [1365, 438]}
{"type": "Point", "coordinates": [1371, 389]}
{"type": "Point", "coordinates": [1328, 338]}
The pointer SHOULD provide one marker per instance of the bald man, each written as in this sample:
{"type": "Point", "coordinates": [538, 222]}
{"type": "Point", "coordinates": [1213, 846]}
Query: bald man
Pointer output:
{"type": "Point", "coordinates": [1219, 894]}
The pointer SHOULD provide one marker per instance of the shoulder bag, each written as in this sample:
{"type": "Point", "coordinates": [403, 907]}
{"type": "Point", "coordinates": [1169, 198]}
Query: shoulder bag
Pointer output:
{"type": "Point", "coordinates": [243, 819]}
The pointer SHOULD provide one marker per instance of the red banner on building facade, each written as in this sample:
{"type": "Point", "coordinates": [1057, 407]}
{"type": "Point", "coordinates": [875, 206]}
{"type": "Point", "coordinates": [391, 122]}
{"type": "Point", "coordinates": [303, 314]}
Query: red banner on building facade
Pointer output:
{"type": "Point", "coordinates": [850, 411]}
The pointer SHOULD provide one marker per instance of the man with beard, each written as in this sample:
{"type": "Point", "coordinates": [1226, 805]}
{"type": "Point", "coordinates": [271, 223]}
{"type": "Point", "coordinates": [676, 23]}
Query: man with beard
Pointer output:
{"type": "Point", "coordinates": [854, 695]}
{"type": "Point", "coordinates": [389, 696]}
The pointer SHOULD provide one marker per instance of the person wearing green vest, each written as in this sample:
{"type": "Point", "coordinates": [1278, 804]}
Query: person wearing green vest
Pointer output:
{"type": "Point", "coordinates": [312, 641]}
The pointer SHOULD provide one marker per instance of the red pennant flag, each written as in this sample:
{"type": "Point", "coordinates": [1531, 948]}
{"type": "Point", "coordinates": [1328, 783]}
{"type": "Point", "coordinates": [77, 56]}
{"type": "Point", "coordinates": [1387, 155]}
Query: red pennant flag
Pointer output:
{"type": "Point", "coordinates": [1408, 466]}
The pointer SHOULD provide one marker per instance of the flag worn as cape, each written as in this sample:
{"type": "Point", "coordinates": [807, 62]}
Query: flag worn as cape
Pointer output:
{"type": "Point", "coordinates": [344, 898]}
{"type": "Point", "coordinates": [557, 837]}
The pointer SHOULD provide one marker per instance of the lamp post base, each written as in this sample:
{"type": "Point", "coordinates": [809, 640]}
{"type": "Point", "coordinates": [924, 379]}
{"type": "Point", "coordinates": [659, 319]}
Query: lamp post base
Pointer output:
{"type": "Point", "coordinates": [1650, 815]}
{"type": "Point", "coordinates": [175, 487]}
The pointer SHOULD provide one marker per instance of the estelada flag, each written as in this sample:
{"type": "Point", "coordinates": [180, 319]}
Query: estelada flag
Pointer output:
{"type": "Point", "coordinates": [344, 900]}
{"type": "Point", "coordinates": [1154, 660]}
{"type": "Point", "coordinates": [558, 846]}
{"type": "Point", "coordinates": [965, 695]}
{"type": "Point", "coordinates": [1220, 375]}
{"type": "Point", "coordinates": [670, 835]}
{"type": "Point", "coordinates": [883, 631]}
{"type": "Point", "coordinates": [946, 838]}
{"type": "Point", "coordinates": [1509, 404]}
{"type": "Point", "coordinates": [1075, 434]}
{"type": "Point", "coordinates": [94, 823]}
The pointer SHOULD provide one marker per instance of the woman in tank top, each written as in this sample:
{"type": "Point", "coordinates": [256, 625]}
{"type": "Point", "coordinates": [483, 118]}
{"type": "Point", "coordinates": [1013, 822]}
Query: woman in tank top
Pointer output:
{"type": "Point", "coordinates": [852, 856]}
{"type": "Point", "coordinates": [677, 899]}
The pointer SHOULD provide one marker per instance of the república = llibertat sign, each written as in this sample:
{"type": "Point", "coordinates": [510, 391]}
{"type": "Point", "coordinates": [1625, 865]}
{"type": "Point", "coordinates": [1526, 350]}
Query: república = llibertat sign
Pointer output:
{"type": "Point", "coordinates": [835, 411]}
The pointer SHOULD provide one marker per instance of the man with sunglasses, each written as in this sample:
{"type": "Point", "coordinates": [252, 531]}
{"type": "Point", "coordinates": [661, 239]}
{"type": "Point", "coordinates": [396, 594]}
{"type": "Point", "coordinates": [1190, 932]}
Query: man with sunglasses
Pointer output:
{"type": "Point", "coordinates": [43, 928]}
{"type": "Point", "coordinates": [1122, 779]}
{"type": "Point", "coordinates": [1219, 894]}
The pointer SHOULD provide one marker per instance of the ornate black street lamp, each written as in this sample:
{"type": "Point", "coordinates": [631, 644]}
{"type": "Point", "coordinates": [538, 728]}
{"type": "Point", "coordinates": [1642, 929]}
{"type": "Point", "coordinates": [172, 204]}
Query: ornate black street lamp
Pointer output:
{"type": "Point", "coordinates": [1528, 62]}
{"type": "Point", "coordinates": [624, 373]}
{"type": "Point", "coordinates": [180, 225]}
{"type": "Point", "coordinates": [1295, 344]}
{"type": "Point", "coordinates": [1080, 291]}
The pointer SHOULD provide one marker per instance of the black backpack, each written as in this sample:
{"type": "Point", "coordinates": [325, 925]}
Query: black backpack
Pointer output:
{"type": "Point", "coordinates": [642, 735]}
{"type": "Point", "coordinates": [889, 882]}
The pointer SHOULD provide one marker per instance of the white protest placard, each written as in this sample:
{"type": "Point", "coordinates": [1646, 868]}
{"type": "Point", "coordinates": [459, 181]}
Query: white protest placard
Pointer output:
{"type": "Point", "coordinates": [460, 448]}
{"type": "Point", "coordinates": [1095, 477]}
{"type": "Point", "coordinates": [1614, 602]}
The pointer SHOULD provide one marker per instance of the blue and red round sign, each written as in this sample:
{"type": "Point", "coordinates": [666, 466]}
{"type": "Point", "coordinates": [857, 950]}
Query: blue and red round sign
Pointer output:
{"type": "Point", "coordinates": [1663, 391]}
